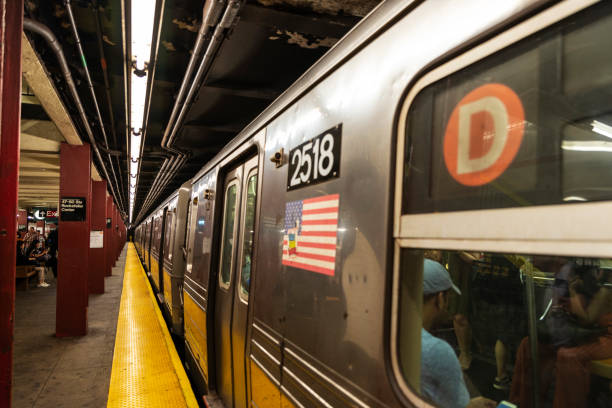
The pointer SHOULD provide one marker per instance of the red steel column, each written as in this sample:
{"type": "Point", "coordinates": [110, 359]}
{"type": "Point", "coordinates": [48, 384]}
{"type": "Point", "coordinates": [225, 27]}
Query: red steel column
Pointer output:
{"type": "Point", "coordinates": [108, 239]}
{"type": "Point", "coordinates": [10, 112]}
{"type": "Point", "coordinates": [73, 240]}
{"type": "Point", "coordinates": [117, 231]}
{"type": "Point", "coordinates": [115, 237]}
{"type": "Point", "coordinates": [98, 229]}
{"type": "Point", "coordinates": [119, 237]}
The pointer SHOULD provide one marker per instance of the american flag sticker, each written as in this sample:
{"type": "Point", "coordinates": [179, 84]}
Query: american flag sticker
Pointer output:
{"type": "Point", "coordinates": [311, 230]}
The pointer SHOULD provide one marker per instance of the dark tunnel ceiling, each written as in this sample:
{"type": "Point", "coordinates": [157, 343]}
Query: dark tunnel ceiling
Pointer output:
{"type": "Point", "coordinates": [273, 43]}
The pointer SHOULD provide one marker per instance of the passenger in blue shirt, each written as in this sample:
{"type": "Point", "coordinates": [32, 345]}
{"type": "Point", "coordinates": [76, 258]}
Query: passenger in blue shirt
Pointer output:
{"type": "Point", "coordinates": [441, 375]}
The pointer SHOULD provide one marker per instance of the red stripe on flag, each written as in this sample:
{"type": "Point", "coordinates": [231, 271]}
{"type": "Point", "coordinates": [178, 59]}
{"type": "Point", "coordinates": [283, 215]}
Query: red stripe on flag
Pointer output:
{"type": "Point", "coordinates": [324, 271]}
{"type": "Point", "coordinates": [317, 257]}
{"type": "Point", "coordinates": [331, 210]}
{"type": "Point", "coordinates": [322, 198]}
{"type": "Point", "coordinates": [317, 245]}
{"type": "Point", "coordinates": [320, 222]}
{"type": "Point", "coordinates": [319, 233]}
{"type": "Point", "coordinates": [314, 245]}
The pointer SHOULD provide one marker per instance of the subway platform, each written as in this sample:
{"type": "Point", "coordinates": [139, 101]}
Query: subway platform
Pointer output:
{"type": "Point", "coordinates": [127, 359]}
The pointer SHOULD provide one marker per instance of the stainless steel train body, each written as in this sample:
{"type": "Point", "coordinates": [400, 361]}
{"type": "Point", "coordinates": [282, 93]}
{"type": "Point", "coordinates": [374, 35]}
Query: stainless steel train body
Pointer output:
{"type": "Point", "coordinates": [166, 262]}
{"type": "Point", "coordinates": [266, 327]}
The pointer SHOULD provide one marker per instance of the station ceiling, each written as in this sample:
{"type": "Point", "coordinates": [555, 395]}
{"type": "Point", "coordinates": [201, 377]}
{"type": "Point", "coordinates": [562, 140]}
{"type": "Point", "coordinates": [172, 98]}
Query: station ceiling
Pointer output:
{"type": "Point", "coordinates": [270, 46]}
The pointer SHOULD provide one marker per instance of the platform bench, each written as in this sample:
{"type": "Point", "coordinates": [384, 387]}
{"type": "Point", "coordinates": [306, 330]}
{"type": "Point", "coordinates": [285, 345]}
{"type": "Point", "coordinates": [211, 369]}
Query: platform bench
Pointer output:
{"type": "Point", "coordinates": [25, 271]}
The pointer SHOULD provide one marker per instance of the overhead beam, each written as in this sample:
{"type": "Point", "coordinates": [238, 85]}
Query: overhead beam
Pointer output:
{"type": "Point", "coordinates": [315, 25]}
{"type": "Point", "coordinates": [44, 89]}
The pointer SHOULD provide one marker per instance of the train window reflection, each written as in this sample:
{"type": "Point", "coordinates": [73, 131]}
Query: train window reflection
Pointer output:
{"type": "Point", "coordinates": [479, 321]}
{"type": "Point", "coordinates": [227, 240]}
{"type": "Point", "coordinates": [248, 237]}
{"type": "Point", "coordinates": [526, 126]}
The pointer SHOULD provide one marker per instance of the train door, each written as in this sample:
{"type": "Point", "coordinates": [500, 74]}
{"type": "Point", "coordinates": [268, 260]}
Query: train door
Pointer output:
{"type": "Point", "coordinates": [232, 289]}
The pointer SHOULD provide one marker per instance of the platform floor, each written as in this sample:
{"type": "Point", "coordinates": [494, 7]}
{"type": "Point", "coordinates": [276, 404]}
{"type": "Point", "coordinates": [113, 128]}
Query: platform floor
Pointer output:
{"type": "Point", "coordinates": [147, 371]}
{"type": "Point", "coordinates": [64, 372]}
{"type": "Point", "coordinates": [127, 359]}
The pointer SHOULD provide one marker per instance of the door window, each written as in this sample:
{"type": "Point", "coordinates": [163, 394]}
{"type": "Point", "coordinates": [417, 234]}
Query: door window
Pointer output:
{"type": "Point", "coordinates": [227, 241]}
{"type": "Point", "coordinates": [192, 213]}
{"type": "Point", "coordinates": [248, 235]}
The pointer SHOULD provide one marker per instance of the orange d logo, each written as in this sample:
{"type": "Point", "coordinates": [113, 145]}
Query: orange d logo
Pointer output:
{"type": "Point", "coordinates": [483, 134]}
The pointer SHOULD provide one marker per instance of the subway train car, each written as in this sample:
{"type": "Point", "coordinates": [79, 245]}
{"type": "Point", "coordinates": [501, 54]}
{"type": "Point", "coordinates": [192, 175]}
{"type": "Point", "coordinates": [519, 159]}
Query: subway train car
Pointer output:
{"type": "Point", "coordinates": [168, 256]}
{"type": "Point", "coordinates": [146, 244]}
{"type": "Point", "coordinates": [476, 135]}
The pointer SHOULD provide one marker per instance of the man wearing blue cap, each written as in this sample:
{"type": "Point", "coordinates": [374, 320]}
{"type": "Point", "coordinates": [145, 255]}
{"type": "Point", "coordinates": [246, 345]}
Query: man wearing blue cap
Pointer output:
{"type": "Point", "coordinates": [441, 375]}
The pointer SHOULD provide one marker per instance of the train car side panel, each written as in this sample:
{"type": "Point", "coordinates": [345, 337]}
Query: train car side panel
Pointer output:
{"type": "Point", "coordinates": [197, 268]}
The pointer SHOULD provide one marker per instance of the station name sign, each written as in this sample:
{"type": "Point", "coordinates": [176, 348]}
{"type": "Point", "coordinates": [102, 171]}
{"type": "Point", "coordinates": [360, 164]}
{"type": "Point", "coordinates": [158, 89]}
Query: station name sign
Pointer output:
{"type": "Point", "coordinates": [73, 209]}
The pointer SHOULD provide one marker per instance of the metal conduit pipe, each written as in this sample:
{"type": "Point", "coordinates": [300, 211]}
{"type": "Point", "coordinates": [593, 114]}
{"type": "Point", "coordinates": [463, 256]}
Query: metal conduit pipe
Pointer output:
{"type": "Point", "coordinates": [155, 184]}
{"type": "Point", "coordinates": [111, 115]}
{"type": "Point", "coordinates": [173, 164]}
{"type": "Point", "coordinates": [226, 22]}
{"type": "Point", "coordinates": [146, 204]}
{"type": "Point", "coordinates": [210, 15]}
{"type": "Point", "coordinates": [231, 11]}
{"type": "Point", "coordinates": [229, 15]}
{"type": "Point", "coordinates": [161, 180]}
{"type": "Point", "coordinates": [91, 90]}
{"type": "Point", "coordinates": [48, 35]}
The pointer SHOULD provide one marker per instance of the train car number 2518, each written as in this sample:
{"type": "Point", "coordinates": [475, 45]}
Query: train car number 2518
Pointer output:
{"type": "Point", "coordinates": [315, 160]}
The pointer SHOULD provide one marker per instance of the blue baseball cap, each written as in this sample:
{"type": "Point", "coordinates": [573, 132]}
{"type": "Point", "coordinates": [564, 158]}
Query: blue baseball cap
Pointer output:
{"type": "Point", "coordinates": [436, 278]}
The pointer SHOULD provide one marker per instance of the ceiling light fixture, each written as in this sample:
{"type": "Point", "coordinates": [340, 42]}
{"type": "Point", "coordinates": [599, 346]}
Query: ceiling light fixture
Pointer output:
{"type": "Point", "coordinates": [601, 128]}
{"type": "Point", "coordinates": [586, 146]}
{"type": "Point", "coordinates": [141, 37]}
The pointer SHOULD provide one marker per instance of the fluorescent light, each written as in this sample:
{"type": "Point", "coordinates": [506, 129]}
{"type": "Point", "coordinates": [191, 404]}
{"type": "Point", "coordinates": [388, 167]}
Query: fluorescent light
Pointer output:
{"type": "Point", "coordinates": [574, 198]}
{"type": "Point", "coordinates": [587, 146]}
{"type": "Point", "coordinates": [133, 168]}
{"type": "Point", "coordinates": [141, 37]}
{"type": "Point", "coordinates": [138, 95]}
{"type": "Point", "coordinates": [135, 141]}
{"type": "Point", "coordinates": [602, 128]}
{"type": "Point", "coordinates": [143, 17]}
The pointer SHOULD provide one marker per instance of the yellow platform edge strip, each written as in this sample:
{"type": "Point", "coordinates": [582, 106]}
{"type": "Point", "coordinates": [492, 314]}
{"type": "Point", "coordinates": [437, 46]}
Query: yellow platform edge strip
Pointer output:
{"type": "Point", "coordinates": [176, 361]}
{"type": "Point", "coordinates": [179, 371]}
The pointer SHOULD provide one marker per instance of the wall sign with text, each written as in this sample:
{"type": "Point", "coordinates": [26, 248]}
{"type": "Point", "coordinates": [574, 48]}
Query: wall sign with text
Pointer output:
{"type": "Point", "coordinates": [73, 209]}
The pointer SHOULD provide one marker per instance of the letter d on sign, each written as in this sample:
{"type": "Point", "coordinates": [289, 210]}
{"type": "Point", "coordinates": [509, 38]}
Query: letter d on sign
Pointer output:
{"type": "Point", "coordinates": [483, 134]}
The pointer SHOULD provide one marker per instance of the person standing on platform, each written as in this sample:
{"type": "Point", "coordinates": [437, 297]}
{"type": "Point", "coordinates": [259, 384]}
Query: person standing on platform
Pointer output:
{"type": "Point", "coordinates": [52, 247]}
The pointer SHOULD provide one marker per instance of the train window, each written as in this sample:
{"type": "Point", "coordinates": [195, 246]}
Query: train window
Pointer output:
{"type": "Point", "coordinates": [192, 213]}
{"type": "Point", "coordinates": [248, 235]}
{"type": "Point", "coordinates": [505, 312]}
{"type": "Point", "coordinates": [529, 125]}
{"type": "Point", "coordinates": [227, 240]}
{"type": "Point", "coordinates": [168, 235]}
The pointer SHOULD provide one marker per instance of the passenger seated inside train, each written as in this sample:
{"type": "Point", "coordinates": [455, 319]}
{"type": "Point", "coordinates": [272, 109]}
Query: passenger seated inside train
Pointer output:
{"type": "Point", "coordinates": [441, 378]}
{"type": "Point", "coordinates": [575, 329]}
{"type": "Point", "coordinates": [566, 300]}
